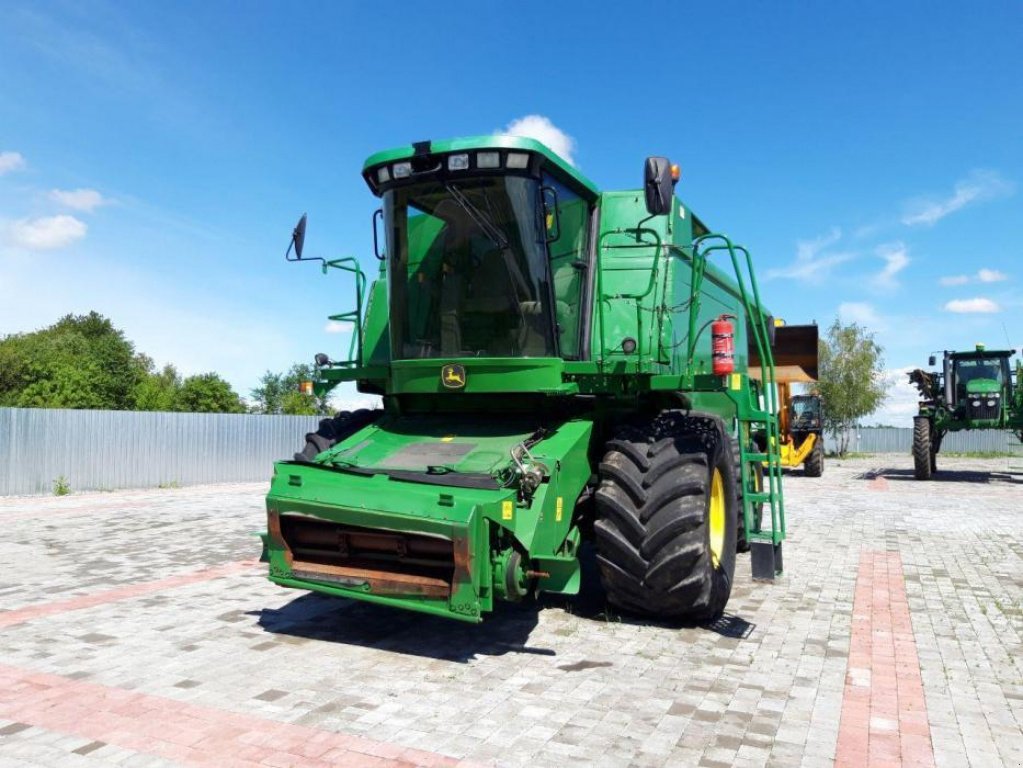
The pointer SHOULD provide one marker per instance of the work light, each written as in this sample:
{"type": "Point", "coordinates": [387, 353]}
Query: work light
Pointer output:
{"type": "Point", "coordinates": [458, 162]}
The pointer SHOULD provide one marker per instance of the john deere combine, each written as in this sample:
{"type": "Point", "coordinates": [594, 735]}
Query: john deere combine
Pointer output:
{"type": "Point", "coordinates": [973, 390]}
{"type": "Point", "coordinates": [557, 364]}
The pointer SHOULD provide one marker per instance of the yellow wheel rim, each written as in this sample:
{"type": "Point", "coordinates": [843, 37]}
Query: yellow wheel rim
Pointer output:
{"type": "Point", "coordinates": [717, 517]}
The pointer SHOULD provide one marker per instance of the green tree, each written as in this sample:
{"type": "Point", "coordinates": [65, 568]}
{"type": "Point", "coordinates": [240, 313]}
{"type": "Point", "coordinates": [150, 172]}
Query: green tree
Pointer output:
{"type": "Point", "coordinates": [207, 393]}
{"type": "Point", "coordinates": [158, 391]}
{"type": "Point", "coordinates": [81, 361]}
{"type": "Point", "coordinates": [279, 393]}
{"type": "Point", "coordinates": [850, 378]}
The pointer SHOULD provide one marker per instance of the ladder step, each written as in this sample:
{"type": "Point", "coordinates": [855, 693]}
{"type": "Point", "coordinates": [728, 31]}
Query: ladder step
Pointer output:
{"type": "Point", "coordinates": [756, 457]}
{"type": "Point", "coordinates": [755, 496]}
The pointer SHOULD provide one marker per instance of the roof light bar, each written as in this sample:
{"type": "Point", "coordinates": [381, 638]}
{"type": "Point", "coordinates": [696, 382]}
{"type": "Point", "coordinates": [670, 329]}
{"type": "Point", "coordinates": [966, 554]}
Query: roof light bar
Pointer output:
{"type": "Point", "coordinates": [517, 161]}
{"type": "Point", "coordinates": [488, 160]}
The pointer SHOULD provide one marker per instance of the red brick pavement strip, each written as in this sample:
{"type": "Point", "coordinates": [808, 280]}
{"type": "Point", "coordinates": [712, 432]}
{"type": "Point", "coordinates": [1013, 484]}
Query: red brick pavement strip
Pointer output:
{"type": "Point", "coordinates": [28, 613]}
{"type": "Point", "coordinates": [884, 715]}
{"type": "Point", "coordinates": [189, 734]}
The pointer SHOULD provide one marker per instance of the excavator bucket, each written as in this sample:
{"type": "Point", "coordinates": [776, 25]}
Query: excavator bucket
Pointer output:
{"type": "Point", "coordinates": [795, 354]}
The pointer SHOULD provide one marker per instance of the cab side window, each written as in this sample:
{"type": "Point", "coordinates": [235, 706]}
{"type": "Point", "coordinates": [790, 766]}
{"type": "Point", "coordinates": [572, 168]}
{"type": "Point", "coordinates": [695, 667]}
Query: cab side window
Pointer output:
{"type": "Point", "coordinates": [569, 224]}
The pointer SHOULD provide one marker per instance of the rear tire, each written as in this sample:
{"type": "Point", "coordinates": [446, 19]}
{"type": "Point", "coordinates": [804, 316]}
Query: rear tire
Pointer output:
{"type": "Point", "coordinates": [923, 454]}
{"type": "Point", "coordinates": [332, 431]}
{"type": "Point", "coordinates": [666, 520]}
{"type": "Point", "coordinates": [814, 464]}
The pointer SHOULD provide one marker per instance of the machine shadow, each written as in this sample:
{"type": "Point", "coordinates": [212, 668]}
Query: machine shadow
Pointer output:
{"type": "Point", "coordinates": [591, 604]}
{"type": "Point", "coordinates": [947, 476]}
{"type": "Point", "coordinates": [349, 622]}
{"type": "Point", "coordinates": [506, 630]}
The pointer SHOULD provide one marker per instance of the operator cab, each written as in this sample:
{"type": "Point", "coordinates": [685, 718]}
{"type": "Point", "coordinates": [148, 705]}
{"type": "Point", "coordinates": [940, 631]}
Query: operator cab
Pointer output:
{"type": "Point", "coordinates": [980, 380]}
{"type": "Point", "coordinates": [486, 253]}
{"type": "Point", "coordinates": [805, 413]}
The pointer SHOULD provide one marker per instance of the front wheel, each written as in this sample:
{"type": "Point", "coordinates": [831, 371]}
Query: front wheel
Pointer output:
{"type": "Point", "coordinates": [666, 519]}
{"type": "Point", "coordinates": [814, 464]}
{"type": "Point", "coordinates": [923, 452]}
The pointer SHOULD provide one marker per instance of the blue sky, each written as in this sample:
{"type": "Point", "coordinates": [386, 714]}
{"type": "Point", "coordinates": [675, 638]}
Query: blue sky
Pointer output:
{"type": "Point", "coordinates": [154, 157]}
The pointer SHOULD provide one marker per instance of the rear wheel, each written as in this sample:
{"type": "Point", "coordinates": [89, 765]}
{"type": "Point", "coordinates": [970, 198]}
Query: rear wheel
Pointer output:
{"type": "Point", "coordinates": [332, 431]}
{"type": "Point", "coordinates": [814, 464]}
{"type": "Point", "coordinates": [666, 521]}
{"type": "Point", "coordinates": [923, 453]}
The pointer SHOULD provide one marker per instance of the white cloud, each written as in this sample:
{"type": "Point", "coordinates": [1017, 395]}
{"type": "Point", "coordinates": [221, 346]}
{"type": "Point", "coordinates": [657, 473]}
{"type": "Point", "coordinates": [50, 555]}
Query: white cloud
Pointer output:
{"type": "Point", "coordinates": [972, 306]}
{"type": "Point", "coordinates": [813, 261]}
{"type": "Point", "coordinates": [334, 326]}
{"type": "Point", "coordinates": [955, 280]}
{"type": "Point", "coordinates": [46, 233]}
{"type": "Point", "coordinates": [11, 161]}
{"type": "Point", "coordinates": [896, 259]}
{"type": "Point", "coordinates": [901, 401]}
{"type": "Point", "coordinates": [543, 130]}
{"type": "Point", "coordinates": [860, 313]}
{"type": "Point", "coordinates": [80, 199]}
{"type": "Point", "coordinates": [991, 276]}
{"type": "Point", "coordinates": [984, 275]}
{"type": "Point", "coordinates": [978, 186]}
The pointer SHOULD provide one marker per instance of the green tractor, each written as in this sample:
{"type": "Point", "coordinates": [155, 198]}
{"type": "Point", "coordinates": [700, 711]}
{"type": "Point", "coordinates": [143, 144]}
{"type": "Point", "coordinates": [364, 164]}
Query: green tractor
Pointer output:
{"type": "Point", "coordinates": [557, 365]}
{"type": "Point", "coordinates": [973, 390]}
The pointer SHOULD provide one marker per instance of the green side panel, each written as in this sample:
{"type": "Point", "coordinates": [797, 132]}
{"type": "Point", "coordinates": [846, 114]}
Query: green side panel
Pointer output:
{"type": "Point", "coordinates": [644, 289]}
{"type": "Point", "coordinates": [481, 375]}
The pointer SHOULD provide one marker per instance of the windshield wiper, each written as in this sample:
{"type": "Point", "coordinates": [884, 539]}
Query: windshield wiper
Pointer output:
{"type": "Point", "coordinates": [490, 229]}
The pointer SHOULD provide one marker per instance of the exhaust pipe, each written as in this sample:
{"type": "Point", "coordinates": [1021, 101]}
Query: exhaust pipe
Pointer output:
{"type": "Point", "coordinates": [947, 378]}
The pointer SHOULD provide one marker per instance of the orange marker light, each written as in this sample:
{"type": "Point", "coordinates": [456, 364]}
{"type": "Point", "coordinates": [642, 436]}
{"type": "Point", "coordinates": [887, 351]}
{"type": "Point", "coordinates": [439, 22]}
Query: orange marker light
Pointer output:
{"type": "Point", "coordinates": [305, 387]}
{"type": "Point", "coordinates": [676, 172]}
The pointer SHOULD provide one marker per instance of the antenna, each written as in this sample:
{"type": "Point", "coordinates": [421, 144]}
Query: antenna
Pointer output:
{"type": "Point", "coordinates": [1006, 332]}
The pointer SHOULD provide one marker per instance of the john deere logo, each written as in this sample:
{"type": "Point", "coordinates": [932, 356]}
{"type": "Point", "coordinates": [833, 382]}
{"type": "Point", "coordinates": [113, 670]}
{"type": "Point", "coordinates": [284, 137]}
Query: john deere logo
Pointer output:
{"type": "Point", "coordinates": [452, 376]}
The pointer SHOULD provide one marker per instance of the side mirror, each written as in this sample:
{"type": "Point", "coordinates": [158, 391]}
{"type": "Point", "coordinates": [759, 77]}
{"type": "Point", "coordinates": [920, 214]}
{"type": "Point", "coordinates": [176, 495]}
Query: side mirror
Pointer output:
{"type": "Point", "coordinates": [932, 361]}
{"type": "Point", "coordinates": [658, 185]}
{"type": "Point", "coordinates": [297, 240]}
{"type": "Point", "coordinates": [551, 215]}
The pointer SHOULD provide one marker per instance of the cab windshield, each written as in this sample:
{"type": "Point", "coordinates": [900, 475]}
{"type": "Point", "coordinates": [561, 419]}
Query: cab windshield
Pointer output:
{"type": "Point", "coordinates": [468, 271]}
{"type": "Point", "coordinates": [991, 368]}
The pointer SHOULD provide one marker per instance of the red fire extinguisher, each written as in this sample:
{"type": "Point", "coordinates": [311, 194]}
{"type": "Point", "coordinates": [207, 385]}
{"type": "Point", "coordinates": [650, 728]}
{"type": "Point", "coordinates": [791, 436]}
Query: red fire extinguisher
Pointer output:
{"type": "Point", "coordinates": [722, 345]}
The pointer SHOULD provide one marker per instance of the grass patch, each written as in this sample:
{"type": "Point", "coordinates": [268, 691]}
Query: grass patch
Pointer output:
{"type": "Point", "coordinates": [61, 486]}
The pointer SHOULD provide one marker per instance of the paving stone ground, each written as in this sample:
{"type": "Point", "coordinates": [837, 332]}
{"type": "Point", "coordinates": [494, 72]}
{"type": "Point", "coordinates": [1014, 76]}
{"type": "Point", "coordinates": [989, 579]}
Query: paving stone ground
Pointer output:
{"type": "Point", "coordinates": [136, 630]}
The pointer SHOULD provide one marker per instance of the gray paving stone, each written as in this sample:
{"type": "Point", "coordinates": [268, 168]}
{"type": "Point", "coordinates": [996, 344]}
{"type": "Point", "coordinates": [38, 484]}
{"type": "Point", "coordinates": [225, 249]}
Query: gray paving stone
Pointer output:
{"type": "Point", "coordinates": [536, 686]}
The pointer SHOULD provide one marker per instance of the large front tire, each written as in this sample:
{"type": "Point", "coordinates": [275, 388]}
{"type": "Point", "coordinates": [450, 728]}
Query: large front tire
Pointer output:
{"type": "Point", "coordinates": [923, 452]}
{"type": "Point", "coordinates": [332, 431]}
{"type": "Point", "coordinates": [666, 519]}
{"type": "Point", "coordinates": [814, 464]}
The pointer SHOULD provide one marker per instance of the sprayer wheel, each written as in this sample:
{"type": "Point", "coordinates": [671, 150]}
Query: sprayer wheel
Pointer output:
{"type": "Point", "coordinates": [813, 466]}
{"type": "Point", "coordinates": [923, 455]}
{"type": "Point", "coordinates": [332, 431]}
{"type": "Point", "coordinates": [666, 519]}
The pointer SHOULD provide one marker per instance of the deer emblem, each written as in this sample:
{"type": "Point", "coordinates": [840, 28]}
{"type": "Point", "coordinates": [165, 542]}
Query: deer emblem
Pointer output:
{"type": "Point", "coordinates": [452, 376]}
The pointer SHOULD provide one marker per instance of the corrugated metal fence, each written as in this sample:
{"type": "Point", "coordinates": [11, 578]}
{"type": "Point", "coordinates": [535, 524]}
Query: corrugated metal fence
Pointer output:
{"type": "Point", "coordinates": [97, 450]}
{"type": "Point", "coordinates": [900, 440]}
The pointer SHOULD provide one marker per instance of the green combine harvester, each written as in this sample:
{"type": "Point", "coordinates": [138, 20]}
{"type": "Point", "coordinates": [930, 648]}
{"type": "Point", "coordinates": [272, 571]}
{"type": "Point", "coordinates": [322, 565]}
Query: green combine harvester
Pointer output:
{"type": "Point", "coordinates": [974, 390]}
{"type": "Point", "coordinates": [557, 364]}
